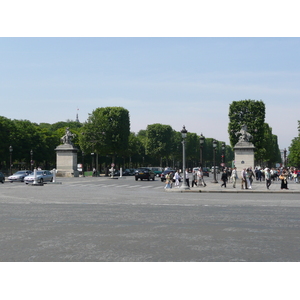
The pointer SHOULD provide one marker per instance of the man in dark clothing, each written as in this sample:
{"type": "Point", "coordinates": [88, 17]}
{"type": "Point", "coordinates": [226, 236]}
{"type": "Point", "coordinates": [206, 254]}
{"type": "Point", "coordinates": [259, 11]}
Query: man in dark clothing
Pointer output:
{"type": "Point", "coordinates": [224, 178]}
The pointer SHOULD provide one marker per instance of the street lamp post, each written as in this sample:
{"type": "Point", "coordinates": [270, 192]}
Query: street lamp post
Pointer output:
{"type": "Point", "coordinates": [10, 152]}
{"type": "Point", "coordinates": [223, 154]}
{"type": "Point", "coordinates": [31, 161]}
{"type": "Point", "coordinates": [183, 134]}
{"type": "Point", "coordinates": [83, 164]}
{"type": "Point", "coordinates": [201, 148]}
{"type": "Point", "coordinates": [214, 149]}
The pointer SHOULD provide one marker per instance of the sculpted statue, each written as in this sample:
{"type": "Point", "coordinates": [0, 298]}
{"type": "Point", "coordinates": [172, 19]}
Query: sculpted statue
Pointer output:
{"type": "Point", "coordinates": [244, 136]}
{"type": "Point", "coordinates": [67, 138]}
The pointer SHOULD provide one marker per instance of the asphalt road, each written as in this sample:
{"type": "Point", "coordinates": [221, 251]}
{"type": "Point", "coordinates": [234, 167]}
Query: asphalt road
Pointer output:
{"type": "Point", "coordinates": [101, 219]}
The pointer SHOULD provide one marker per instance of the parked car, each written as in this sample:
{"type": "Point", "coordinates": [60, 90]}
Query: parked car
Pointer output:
{"type": "Point", "coordinates": [128, 172]}
{"type": "Point", "coordinates": [2, 177]}
{"type": "Point", "coordinates": [18, 176]}
{"type": "Point", "coordinates": [144, 173]}
{"type": "Point", "coordinates": [205, 171]}
{"type": "Point", "coordinates": [164, 173]}
{"type": "Point", "coordinates": [156, 170]}
{"type": "Point", "coordinates": [41, 176]}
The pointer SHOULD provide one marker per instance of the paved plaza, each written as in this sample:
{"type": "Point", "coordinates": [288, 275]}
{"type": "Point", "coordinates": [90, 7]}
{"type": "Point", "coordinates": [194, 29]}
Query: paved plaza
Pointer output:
{"type": "Point", "coordinates": [104, 220]}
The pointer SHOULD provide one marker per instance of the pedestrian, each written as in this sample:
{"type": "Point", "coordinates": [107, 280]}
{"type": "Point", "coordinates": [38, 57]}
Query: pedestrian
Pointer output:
{"type": "Point", "coordinates": [248, 175]}
{"type": "Point", "coordinates": [187, 179]}
{"type": "Point", "coordinates": [251, 176]}
{"type": "Point", "coordinates": [258, 174]}
{"type": "Point", "coordinates": [229, 172]}
{"type": "Point", "coordinates": [94, 172]}
{"type": "Point", "coordinates": [268, 177]}
{"type": "Point", "coordinates": [243, 179]}
{"type": "Point", "coordinates": [283, 177]}
{"type": "Point", "coordinates": [200, 178]}
{"type": "Point", "coordinates": [224, 178]}
{"type": "Point", "coordinates": [194, 178]}
{"type": "Point", "coordinates": [234, 176]}
{"type": "Point", "coordinates": [167, 186]}
{"type": "Point", "coordinates": [177, 177]}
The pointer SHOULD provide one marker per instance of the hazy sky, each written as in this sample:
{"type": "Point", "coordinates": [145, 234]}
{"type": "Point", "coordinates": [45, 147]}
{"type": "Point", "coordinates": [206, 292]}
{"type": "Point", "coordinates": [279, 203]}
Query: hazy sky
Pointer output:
{"type": "Point", "coordinates": [173, 81]}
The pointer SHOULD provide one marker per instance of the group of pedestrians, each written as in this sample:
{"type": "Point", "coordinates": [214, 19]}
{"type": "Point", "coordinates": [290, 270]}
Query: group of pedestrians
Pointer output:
{"type": "Point", "coordinates": [197, 178]}
{"type": "Point", "coordinates": [247, 176]}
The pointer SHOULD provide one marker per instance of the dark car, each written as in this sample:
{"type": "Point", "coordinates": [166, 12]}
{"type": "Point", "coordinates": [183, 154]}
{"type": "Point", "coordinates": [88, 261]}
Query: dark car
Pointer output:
{"type": "Point", "coordinates": [164, 173]}
{"type": "Point", "coordinates": [205, 171]}
{"type": "Point", "coordinates": [2, 177]}
{"type": "Point", "coordinates": [144, 173]}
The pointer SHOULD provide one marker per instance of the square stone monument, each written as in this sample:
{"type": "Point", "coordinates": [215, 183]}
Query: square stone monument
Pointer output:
{"type": "Point", "coordinates": [244, 150]}
{"type": "Point", "coordinates": [66, 157]}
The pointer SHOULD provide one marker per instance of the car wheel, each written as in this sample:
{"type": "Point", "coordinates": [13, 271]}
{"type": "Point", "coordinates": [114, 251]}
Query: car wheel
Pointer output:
{"type": "Point", "coordinates": [51, 180]}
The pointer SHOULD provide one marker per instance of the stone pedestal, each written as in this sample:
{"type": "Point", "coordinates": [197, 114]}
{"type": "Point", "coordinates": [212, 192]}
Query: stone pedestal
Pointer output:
{"type": "Point", "coordinates": [66, 161]}
{"type": "Point", "coordinates": [244, 155]}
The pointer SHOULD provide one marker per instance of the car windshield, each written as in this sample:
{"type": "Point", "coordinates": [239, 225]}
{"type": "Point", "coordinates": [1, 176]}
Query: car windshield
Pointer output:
{"type": "Point", "coordinates": [37, 173]}
{"type": "Point", "coordinates": [20, 172]}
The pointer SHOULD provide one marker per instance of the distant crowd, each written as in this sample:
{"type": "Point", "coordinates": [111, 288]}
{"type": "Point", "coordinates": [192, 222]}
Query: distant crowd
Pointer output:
{"type": "Point", "coordinates": [230, 175]}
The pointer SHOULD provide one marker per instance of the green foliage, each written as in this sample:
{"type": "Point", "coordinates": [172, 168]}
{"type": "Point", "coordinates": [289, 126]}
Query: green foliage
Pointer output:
{"type": "Point", "coordinates": [159, 139]}
{"type": "Point", "coordinates": [294, 149]}
{"type": "Point", "coordinates": [251, 113]}
{"type": "Point", "coordinates": [106, 131]}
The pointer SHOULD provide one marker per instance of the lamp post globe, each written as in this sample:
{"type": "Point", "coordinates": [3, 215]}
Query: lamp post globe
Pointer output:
{"type": "Point", "coordinates": [183, 135]}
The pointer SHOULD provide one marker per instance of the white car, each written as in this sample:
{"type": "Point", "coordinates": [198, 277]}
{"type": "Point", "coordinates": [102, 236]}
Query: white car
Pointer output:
{"type": "Point", "coordinates": [41, 176]}
{"type": "Point", "coordinates": [18, 176]}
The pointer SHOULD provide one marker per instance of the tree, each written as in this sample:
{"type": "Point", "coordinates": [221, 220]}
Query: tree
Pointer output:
{"type": "Point", "coordinates": [251, 113]}
{"type": "Point", "coordinates": [106, 131]}
{"type": "Point", "coordinates": [159, 140]}
{"type": "Point", "coordinates": [294, 155]}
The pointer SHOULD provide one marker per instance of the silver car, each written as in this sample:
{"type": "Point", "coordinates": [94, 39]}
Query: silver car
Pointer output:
{"type": "Point", "coordinates": [18, 176]}
{"type": "Point", "coordinates": [41, 176]}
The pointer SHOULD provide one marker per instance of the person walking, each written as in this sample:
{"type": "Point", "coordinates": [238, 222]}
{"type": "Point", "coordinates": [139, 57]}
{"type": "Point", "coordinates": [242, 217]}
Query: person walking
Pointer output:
{"type": "Point", "coordinates": [187, 179]}
{"type": "Point", "coordinates": [224, 178]}
{"type": "Point", "coordinates": [234, 176]}
{"type": "Point", "coordinates": [167, 186]}
{"type": "Point", "coordinates": [283, 177]}
{"type": "Point", "coordinates": [194, 178]}
{"type": "Point", "coordinates": [268, 178]}
{"type": "Point", "coordinates": [248, 175]}
{"type": "Point", "coordinates": [243, 179]}
{"type": "Point", "coordinates": [200, 178]}
{"type": "Point", "coordinates": [177, 177]}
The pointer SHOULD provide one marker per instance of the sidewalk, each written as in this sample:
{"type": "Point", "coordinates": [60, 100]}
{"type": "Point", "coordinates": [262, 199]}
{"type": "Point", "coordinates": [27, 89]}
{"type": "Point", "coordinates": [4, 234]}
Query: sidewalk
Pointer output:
{"type": "Point", "coordinates": [257, 187]}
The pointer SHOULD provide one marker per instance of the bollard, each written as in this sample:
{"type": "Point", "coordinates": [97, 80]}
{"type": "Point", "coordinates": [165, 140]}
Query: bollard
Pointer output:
{"type": "Point", "coordinates": [120, 172]}
{"type": "Point", "coordinates": [54, 175]}
{"type": "Point", "coordinates": [34, 176]}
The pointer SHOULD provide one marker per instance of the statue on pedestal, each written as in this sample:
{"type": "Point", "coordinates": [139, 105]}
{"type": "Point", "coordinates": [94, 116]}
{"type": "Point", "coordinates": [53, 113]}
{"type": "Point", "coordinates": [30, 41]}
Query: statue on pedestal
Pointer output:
{"type": "Point", "coordinates": [244, 135]}
{"type": "Point", "coordinates": [67, 138]}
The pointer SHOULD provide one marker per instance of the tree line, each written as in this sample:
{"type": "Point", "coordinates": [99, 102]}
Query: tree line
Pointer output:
{"type": "Point", "coordinates": [106, 135]}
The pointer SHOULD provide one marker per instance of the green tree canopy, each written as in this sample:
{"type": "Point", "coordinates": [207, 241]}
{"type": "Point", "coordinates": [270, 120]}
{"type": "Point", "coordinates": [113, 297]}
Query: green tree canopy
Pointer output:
{"type": "Point", "coordinates": [106, 131]}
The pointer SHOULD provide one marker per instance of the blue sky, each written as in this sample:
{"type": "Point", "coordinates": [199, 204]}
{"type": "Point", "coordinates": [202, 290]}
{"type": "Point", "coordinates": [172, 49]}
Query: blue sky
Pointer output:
{"type": "Point", "coordinates": [174, 81]}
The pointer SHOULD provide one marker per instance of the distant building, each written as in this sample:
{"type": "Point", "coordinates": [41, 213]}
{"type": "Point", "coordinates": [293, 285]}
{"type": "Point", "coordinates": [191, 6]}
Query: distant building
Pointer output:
{"type": "Point", "coordinates": [77, 119]}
